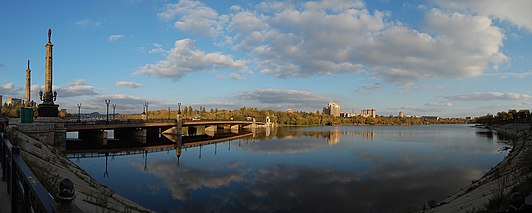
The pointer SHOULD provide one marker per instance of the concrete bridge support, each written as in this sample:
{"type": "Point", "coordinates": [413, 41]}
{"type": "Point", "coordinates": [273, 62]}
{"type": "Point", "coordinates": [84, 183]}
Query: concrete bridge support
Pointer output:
{"type": "Point", "coordinates": [235, 129]}
{"type": "Point", "coordinates": [211, 130]}
{"type": "Point", "coordinates": [99, 136]}
{"type": "Point", "coordinates": [138, 134]}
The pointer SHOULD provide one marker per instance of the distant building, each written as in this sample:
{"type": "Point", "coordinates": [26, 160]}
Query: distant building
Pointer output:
{"type": "Point", "coordinates": [334, 109]}
{"type": "Point", "coordinates": [289, 110]}
{"type": "Point", "coordinates": [434, 118]}
{"type": "Point", "coordinates": [401, 115]}
{"type": "Point", "coordinates": [368, 113]}
{"type": "Point", "coordinates": [14, 101]}
{"type": "Point", "coordinates": [347, 115]}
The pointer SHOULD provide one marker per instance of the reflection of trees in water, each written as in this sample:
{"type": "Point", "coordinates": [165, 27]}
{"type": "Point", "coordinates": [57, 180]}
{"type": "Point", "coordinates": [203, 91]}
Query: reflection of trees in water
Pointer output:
{"type": "Point", "coordinates": [333, 135]}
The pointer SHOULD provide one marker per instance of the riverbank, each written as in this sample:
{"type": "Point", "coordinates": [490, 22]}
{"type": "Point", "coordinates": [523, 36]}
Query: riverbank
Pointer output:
{"type": "Point", "coordinates": [503, 179]}
{"type": "Point", "coordinates": [50, 166]}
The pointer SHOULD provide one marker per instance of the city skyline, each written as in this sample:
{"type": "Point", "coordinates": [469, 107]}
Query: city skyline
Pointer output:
{"type": "Point", "coordinates": [444, 58]}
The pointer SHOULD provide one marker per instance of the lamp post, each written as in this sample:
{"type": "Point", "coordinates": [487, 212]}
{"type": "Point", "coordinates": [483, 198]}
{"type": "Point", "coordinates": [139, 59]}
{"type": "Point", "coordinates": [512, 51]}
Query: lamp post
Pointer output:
{"type": "Point", "coordinates": [168, 113]}
{"type": "Point", "coordinates": [146, 107]}
{"type": "Point", "coordinates": [114, 110]}
{"type": "Point", "coordinates": [107, 102]}
{"type": "Point", "coordinates": [179, 109]}
{"type": "Point", "coordinates": [79, 112]}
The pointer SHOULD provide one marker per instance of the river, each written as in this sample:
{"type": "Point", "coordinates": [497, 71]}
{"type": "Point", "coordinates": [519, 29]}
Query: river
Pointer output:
{"type": "Point", "coordinates": [311, 169]}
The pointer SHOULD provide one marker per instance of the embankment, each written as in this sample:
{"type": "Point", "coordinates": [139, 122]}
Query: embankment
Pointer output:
{"type": "Point", "coordinates": [513, 170]}
{"type": "Point", "coordinates": [50, 166]}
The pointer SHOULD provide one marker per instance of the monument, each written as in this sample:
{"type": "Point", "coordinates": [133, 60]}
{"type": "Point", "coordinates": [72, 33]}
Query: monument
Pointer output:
{"type": "Point", "coordinates": [48, 108]}
{"type": "Point", "coordinates": [28, 86]}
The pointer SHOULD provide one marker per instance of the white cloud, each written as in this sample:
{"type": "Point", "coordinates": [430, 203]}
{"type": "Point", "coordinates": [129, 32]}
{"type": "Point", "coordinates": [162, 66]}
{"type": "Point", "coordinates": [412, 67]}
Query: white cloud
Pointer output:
{"type": "Point", "coordinates": [157, 48]}
{"type": "Point", "coordinates": [129, 84]}
{"type": "Point", "coordinates": [516, 12]}
{"type": "Point", "coordinates": [113, 38]}
{"type": "Point", "coordinates": [280, 98]}
{"type": "Point", "coordinates": [9, 89]}
{"type": "Point", "coordinates": [88, 23]}
{"type": "Point", "coordinates": [322, 39]}
{"type": "Point", "coordinates": [439, 104]}
{"type": "Point", "coordinates": [375, 86]}
{"type": "Point", "coordinates": [489, 96]}
{"type": "Point", "coordinates": [194, 16]}
{"type": "Point", "coordinates": [328, 37]}
{"type": "Point", "coordinates": [183, 59]}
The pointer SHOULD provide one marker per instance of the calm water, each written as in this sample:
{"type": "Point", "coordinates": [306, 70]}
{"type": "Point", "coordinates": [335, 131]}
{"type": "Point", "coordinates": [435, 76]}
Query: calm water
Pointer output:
{"type": "Point", "coordinates": [327, 169]}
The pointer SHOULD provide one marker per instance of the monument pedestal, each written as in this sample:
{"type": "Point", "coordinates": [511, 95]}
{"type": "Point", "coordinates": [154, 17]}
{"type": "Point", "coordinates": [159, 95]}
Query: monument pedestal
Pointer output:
{"type": "Point", "coordinates": [48, 110]}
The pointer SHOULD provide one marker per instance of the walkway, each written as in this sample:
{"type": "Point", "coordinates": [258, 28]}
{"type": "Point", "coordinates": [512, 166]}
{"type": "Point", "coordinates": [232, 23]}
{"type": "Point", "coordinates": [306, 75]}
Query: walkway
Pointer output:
{"type": "Point", "coordinates": [5, 200]}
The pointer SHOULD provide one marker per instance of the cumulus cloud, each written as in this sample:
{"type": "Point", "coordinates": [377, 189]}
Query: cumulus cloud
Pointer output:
{"type": "Point", "coordinates": [193, 16]}
{"type": "Point", "coordinates": [9, 89]}
{"type": "Point", "coordinates": [336, 36]}
{"type": "Point", "coordinates": [113, 38]}
{"type": "Point", "coordinates": [279, 96]}
{"type": "Point", "coordinates": [489, 96]}
{"type": "Point", "coordinates": [516, 12]}
{"type": "Point", "coordinates": [183, 58]}
{"type": "Point", "coordinates": [129, 84]}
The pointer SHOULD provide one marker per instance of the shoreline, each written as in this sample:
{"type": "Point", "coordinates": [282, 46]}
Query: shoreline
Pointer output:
{"type": "Point", "coordinates": [500, 180]}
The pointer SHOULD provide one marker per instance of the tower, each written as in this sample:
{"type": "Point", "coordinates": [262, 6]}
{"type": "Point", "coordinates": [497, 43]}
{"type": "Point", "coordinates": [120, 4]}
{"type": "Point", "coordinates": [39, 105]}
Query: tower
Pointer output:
{"type": "Point", "coordinates": [48, 108]}
{"type": "Point", "coordinates": [28, 85]}
{"type": "Point", "coordinates": [334, 109]}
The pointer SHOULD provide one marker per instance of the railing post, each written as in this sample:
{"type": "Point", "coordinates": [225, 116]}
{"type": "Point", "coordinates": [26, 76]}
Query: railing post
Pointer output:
{"type": "Point", "coordinates": [66, 195]}
{"type": "Point", "coordinates": [14, 177]}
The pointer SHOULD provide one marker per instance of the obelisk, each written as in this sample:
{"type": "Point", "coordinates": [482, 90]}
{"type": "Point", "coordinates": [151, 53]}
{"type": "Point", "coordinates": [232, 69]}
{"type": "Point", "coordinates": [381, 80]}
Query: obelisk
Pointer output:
{"type": "Point", "coordinates": [48, 108]}
{"type": "Point", "coordinates": [28, 85]}
{"type": "Point", "coordinates": [48, 96]}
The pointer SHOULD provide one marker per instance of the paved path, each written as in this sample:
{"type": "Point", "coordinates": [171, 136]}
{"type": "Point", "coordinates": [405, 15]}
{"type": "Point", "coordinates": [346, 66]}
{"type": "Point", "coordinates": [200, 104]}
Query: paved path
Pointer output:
{"type": "Point", "coordinates": [5, 200]}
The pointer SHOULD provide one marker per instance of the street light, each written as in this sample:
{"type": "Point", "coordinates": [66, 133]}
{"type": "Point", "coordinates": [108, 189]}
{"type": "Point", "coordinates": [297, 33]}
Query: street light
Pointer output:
{"type": "Point", "coordinates": [146, 107]}
{"type": "Point", "coordinates": [179, 109]}
{"type": "Point", "coordinates": [79, 112]}
{"type": "Point", "coordinates": [107, 102]}
{"type": "Point", "coordinates": [168, 113]}
{"type": "Point", "coordinates": [114, 110]}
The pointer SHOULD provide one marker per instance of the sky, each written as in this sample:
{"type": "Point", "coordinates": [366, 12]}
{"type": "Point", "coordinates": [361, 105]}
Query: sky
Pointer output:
{"type": "Point", "coordinates": [448, 58]}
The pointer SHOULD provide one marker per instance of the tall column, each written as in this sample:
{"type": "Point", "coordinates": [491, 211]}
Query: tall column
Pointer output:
{"type": "Point", "coordinates": [48, 108]}
{"type": "Point", "coordinates": [48, 94]}
{"type": "Point", "coordinates": [28, 85]}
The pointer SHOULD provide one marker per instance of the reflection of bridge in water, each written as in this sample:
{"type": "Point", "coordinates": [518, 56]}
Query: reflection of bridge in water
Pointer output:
{"type": "Point", "coordinates": [103, 152]}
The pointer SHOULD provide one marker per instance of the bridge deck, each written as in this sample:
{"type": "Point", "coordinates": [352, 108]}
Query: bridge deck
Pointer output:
{"type": "Point", "coordinates": [103, 125]}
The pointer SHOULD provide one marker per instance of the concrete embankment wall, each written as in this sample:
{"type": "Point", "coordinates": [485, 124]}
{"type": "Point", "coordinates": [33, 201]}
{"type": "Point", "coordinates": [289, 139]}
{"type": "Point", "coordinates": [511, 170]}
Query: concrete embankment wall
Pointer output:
{"type": "Point", "coordinates": [50, 166]}
{"type": "Point", "coordinates": [512, 170]}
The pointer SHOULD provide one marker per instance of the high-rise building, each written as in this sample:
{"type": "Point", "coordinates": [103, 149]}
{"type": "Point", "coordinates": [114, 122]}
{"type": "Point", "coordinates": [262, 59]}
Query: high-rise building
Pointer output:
{"type": "Point", "coordinates": [334, 109]}
{"type": "Point", "coordinates": [369, 113]}
{"type": "Point", "coordinates": [401, 114]}
{"type": "Point", "coordinates": [14, 101]}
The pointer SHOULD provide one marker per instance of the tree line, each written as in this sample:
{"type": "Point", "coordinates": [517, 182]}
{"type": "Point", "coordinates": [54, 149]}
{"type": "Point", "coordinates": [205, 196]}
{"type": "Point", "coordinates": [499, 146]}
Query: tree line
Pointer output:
{"type": "Point", "coordinates": [511, 116]}
{"type": "Point", "coordinates": [298, 118]}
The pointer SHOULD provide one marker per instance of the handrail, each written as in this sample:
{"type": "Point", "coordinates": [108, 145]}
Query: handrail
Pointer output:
{"type": "Point", "coordinates": [26, 191]}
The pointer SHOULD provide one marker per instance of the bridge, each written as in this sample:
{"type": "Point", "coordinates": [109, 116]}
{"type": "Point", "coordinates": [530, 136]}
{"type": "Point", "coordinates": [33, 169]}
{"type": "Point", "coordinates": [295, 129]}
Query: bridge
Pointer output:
{"type": "Point", "coordinates": [128, 124]}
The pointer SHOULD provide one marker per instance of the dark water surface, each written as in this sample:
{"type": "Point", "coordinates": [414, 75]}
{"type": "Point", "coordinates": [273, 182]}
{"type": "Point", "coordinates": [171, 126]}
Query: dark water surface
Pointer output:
{"type": "Point", "coordinates": [314, 169]}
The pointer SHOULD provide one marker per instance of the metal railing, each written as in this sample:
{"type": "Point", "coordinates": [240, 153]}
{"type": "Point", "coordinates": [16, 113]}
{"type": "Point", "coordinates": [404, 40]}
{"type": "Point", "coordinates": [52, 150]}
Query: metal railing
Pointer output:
{"type": "Point", "coordinates": [26, 192]}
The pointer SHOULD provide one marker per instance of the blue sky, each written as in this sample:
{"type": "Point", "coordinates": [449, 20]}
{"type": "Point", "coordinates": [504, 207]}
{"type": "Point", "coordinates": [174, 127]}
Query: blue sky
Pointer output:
{"type": "Point", "coordinates": [450, 58]}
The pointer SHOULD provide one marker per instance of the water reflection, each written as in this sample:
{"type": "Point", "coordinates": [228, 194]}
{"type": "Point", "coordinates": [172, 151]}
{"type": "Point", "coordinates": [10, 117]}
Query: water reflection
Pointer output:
{"type": "Point", "coordinates": [316, 169]}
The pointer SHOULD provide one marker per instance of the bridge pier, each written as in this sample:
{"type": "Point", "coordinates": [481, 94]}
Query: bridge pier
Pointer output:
{"type": "Point", "coordinates": [137, 134]}
{"type": "Point", "coordinates": [211, 130]}
{"type": "Point", "coordinates": [99, 136]}
{"type": "Point", "coordinates": [235, 129]}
